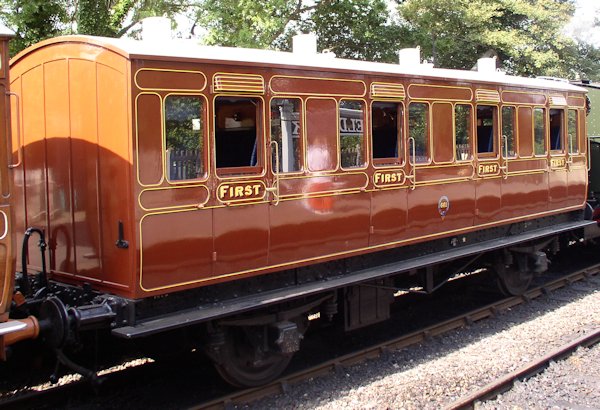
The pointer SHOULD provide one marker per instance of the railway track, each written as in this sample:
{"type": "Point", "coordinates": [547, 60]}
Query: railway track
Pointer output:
{"type": "Point", "coordinates": [54, 396]}
{"type": "Point", "coordinates": [503, 384]}
{"type": "Point", "coordinates": [283, 384]}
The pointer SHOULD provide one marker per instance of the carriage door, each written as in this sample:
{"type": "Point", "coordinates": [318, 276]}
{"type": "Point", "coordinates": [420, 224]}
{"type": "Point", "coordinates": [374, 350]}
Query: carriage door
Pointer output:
{"type": "Point", "coordinates": [241, 218]}
{"type": "Point", "coordinates": [6, 237]}
{"type": "Point", "coordinates": [557, 167]}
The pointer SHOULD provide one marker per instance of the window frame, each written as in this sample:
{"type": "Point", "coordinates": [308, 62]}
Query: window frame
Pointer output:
{"type": "Point", "coordinates": [365, 127]}
{"type": "Point", "coordinates": [515, 129]}
{"type": "Point", "coordinates": [577, 131]}
{"type": "Point", "coordinates": [242, 171]}
{"type": "Point", "coordinates": [428, 134]}
{"type": "Point", "coordinates": [494, 154]}
{"type": "Point", "coordinates": [205, 135]}
{"type": "Point", "coordinates": [545, 122]}
{"type": "Point", "coordinates": [301, 137]}
{"type": "Point", "coordinates": [562, 151]}
{"type": "Point", "coordinates": [471, 132]}
{"type": "Point", "coordinates": [433, 133]}
{"type": "Point", "coordinates": [400, 139]}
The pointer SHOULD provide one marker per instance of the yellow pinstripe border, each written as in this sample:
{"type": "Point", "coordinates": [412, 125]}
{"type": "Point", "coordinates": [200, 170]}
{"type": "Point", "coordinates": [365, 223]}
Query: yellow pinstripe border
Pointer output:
{"type": "Point", "coordinates": [366, 125]}
{"type": "Point", "coordinates": [402, 159]}
{"type": "Point", "coordinates": [433, 86]}
{"type": "Point", "coordinates": [137, 140]}
{"type": "Point", "coordinates": [453, 160]}
{"type": "Point", "coordinates": [204, 135]}
{"type": "Point", "coordinates": [302, 135]}
{"type": "Point", "coordinates": [166, 188]}
{"type": "Point", "coordinates": [363, 94]}
{"type": "Point", "coordinates": [262, 139]}
{"type": "Point", "coordinates": [135, 79]}
{"type": "Point", "coordinates": [343, 253]}
{"type": "Point", "coordinates": [522, 103]}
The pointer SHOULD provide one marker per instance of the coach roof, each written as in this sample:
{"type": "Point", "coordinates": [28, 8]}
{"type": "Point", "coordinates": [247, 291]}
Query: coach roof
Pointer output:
{"type": "Point", "coordinates": [190, 50]}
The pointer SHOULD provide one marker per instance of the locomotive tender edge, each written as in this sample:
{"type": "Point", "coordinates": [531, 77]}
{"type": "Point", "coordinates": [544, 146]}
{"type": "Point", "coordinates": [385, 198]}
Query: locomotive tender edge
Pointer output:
{"type": "Point", "coordinates": [243, 189]}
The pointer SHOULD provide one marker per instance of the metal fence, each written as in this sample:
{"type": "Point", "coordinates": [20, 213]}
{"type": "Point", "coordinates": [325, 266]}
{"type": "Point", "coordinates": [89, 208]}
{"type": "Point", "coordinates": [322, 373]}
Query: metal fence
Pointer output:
{"type": "Point", "coordinates": [184, 164]}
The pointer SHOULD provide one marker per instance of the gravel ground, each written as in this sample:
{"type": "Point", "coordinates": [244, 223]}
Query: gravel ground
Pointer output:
{"type": "Point", "coordinates": [438, 372]}
{"type": "Point", "coordinates": [573, 383]}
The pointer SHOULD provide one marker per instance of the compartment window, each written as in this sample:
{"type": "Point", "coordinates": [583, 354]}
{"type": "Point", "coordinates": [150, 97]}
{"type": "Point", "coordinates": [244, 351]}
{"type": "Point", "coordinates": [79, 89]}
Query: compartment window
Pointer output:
{"type": "Point", "coordinates": [184, 131]}
{"type": "Point", "coordinates": [463, 131]}
{"type": "Point", "coordinates": [539, 131]}
{"type": "Point", "coordinates": [237, 134]}
{"type": "Point", "coordinates": [486, 129]}
{"type": "Point", "coordinates": [573, 132]}
{"type": "Point", "coordinates": [386, 131]}
{"type": "Point", "coordinates": [508, 130]}
{"type": "Point", "coordinates": [352, 133]}
{"type": "Point", "coordinates": [556, 129]}
{"type": "Point", "coordinates": [286, 129]}
{"type": "Point", "coordinates": [418, 128]}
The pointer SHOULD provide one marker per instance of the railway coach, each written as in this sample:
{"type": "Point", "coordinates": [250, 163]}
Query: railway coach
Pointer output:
{"type": "Point", "coordinates": [221, 196]}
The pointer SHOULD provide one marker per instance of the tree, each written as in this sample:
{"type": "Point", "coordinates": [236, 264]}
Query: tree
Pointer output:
{"type": "Point", "coordinates": [33, 20]}
{"type": "Point", "coordinates": [357, 29]}
{"type": "Point", "coordinates": [36, 20]}
{"type": "Point", "coordinates": [526, 35]}
{"type": "Point", "coordinates": [247, 23]}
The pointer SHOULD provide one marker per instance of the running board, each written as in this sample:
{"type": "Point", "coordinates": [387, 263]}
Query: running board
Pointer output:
{"type": "Point", "coordinates": [243, 304]}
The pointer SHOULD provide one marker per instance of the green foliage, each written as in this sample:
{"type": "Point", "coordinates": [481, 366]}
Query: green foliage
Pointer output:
{"type": "Point", "coordinates": [33, 20]}
{"type": "Point", "coordinates": [526, 35]}
{"type": "Point", "coordinates": [180, 114]}
{"type": "Point", "coordinates": [357, 29]}
{"type": "Point", "coordinates": [247, 23]}
{"type": "Point", "coordinates": [102, 18]}
{"type": "Point", "coordinates": [36, 20]}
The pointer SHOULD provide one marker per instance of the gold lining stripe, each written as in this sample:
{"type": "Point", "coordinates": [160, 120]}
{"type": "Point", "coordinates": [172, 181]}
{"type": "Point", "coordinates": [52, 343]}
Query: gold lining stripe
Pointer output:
{"type": "Point", "coordinates": [342, 253]}
{"type": "Point", "coordinates": [436, 98]}
{"type": "Point", "coordinates": [227, 82]}
{"type": "Point", "coordinates": [520, 103]}
{"type": "Point", "coordinates": [317, 95]}
{"type": "Point", "coordinates": [167, 188]}
{"type": "Point", "coordinates": [135, 80]}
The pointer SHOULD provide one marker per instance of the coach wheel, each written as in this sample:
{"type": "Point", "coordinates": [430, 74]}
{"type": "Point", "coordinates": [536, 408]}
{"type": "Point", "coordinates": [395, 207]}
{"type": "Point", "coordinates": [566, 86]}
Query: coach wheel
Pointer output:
{"type": "Point", "coordinates": [512, 281]}
{"type": "Point", "coordinates": [246, 361]}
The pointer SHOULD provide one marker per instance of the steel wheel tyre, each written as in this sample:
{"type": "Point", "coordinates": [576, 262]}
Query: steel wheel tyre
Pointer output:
{"type": "Point", "coordinates": [512, 282]}
{"type": "Point", "coordinates": [245, 365]}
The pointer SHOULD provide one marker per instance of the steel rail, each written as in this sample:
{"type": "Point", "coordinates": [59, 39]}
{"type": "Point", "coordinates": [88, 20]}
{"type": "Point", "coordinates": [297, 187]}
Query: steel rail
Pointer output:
{"type": "Point", "coordinates": [283, 384]}
{"type": "Point", "coordinates": [506, 382]}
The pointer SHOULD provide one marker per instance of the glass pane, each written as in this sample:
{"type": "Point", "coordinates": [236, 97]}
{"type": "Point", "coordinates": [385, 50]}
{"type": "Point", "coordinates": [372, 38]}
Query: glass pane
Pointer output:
{"type": "Point", "coordinates": [462, 130]}
{"type": "Point", "coordinates": [486, 129]}
{"type": "Point", "coordinates": [556, 130]}
{"type": "Point", "coordinates": [387, 132]}
{"type": "Point", "coordinates": [573, 137]}
{"type": "Point", "coordinates": [508, 130]}
{"type": "Point", "coordinates": [418, 128]}
{"type": "Point", "coordinates": [286, 130]}
{"type": "Point", "coordinates": [539, 131]}
{"type": "Point", "coordinates": [236, 132]}
{"type": "Point", "coordinates": [184, 130]}
{"type": "Point", "coordinates": [352, 133]}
